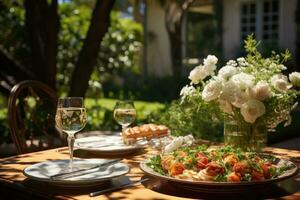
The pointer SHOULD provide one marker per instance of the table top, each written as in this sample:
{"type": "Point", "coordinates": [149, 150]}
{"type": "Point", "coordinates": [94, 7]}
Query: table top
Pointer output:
{"type": "Point", "coordinates": [12, 178]}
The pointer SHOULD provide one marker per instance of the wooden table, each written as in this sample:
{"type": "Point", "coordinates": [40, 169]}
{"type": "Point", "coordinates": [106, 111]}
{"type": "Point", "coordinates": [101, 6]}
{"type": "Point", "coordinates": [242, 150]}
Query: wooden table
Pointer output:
{"type": "Point", "coordinates": [15, 185]}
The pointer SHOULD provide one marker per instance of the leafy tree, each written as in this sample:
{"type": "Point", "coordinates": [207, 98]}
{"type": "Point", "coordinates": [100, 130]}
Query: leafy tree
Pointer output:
{"type": "Point", "coordinates": [39, 27]}
{"type": "Point", "coordinates": [119, 50]}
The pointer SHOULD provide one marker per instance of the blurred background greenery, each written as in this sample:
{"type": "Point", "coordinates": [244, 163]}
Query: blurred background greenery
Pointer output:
{"type": "Point", "coordinates": [120, 71]}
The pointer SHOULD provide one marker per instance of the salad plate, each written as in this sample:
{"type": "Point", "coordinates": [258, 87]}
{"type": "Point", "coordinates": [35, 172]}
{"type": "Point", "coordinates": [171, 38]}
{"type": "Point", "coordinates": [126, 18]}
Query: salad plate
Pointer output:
{"type": "Point", "coordinates": [237, 173]}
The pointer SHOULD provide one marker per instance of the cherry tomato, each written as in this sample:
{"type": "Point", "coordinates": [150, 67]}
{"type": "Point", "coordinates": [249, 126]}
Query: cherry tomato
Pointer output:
{"type": "Point", "coordinates": [214, 169]}
{"type": "Point", "coordinates": [177, 168]}
{"type": "Point", "coordinates": [257, 176]}
{"type": "Point", "coordinates": [240, 167]}
{"type": "Point", "coordinates": [234, 177]}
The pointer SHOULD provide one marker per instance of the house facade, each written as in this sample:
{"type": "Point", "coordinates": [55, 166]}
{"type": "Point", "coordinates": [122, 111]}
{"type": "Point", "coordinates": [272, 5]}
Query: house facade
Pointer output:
{"type": "Point", "coordinates": [271, 21]}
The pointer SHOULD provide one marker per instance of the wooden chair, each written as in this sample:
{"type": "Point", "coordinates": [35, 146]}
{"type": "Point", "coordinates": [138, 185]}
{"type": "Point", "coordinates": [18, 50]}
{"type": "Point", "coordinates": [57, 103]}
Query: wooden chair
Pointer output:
{"type": "Point", "coordinates": [31, 115]}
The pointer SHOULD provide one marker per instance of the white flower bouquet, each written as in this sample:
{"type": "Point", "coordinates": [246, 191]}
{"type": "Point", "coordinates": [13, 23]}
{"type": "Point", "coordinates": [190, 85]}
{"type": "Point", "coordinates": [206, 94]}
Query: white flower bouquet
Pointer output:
{"type": "Point", "coordinates": [251, 90]}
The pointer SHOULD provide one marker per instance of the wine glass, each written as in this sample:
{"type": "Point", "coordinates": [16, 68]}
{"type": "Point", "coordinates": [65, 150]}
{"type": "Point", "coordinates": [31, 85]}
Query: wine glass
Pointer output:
{"type": "Point", "coordinates": [124, 113]}
{"type": "Point", "coordinates": [70, 118]}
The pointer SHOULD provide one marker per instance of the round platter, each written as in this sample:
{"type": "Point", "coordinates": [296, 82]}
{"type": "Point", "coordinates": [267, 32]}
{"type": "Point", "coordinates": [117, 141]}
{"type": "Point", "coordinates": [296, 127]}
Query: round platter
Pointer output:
{"type": "Point", "coordinates": [218, 187]}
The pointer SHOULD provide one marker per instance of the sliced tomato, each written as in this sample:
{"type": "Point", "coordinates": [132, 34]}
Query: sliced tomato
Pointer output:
{"type": "Point", "coordinates": [265, 167]}
{"type": "Point", "coordinates": [202, 160]}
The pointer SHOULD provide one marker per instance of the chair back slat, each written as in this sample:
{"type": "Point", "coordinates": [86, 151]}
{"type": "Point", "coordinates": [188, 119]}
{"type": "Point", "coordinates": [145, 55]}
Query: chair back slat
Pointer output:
{"type": "Point", "coordinates": [31, 114]}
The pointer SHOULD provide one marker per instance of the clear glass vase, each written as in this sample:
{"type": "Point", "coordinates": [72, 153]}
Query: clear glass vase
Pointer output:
{"type": "Point", "coordinates": [248, 137]}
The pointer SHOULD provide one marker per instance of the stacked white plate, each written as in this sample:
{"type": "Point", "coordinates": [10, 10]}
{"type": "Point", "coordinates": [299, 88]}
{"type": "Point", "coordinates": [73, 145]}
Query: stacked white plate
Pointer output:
{"type": "Point", "coordinates": [106, 144]}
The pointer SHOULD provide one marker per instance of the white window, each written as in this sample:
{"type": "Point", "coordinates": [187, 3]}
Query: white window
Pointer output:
{"type": "Point", "coordinates": [260, 17]}
{"type": "Point", "coordinates": [248, 19]}
{"type": "Point", "coordinates": [270, 20]}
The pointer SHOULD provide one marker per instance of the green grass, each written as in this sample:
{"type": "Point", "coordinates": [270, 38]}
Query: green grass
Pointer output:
{"type": "Point", "coordinates": [143, 108]}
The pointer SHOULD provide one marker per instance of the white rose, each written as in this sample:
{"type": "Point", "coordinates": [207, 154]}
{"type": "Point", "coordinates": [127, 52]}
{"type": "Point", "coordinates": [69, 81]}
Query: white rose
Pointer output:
{"type": "Point", "coordinates": [295, 78]}
{"type": "Point", "coordinates": [240, 98]}
{"type": "Point", "coordinates": [211, 91]}
{"type": "Point", "coordinates": [197, 74]}
{"type": "Point", "coordinates": [280, 82]}
{"type": "Point", "coordinates": [227, 72]}
{"type": "Point", "coordinates": [225, 106]}
{"type": "Point", "coordinates": [229, 89]}
{"type": "Point", "coordinates": [252, 109]}
{"type": "Point", "coordinates": [210, 69]}
{"type": "Point", "coordinates": [210, 60]}
{"type": "Point", "coordinates": [243, 80]}
{"type": "Point", "coordinates": [261, 91]}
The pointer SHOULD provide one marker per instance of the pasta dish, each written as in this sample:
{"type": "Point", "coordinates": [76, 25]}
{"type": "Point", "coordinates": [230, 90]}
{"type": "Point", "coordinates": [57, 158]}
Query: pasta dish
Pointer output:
{"type": "Point", "coordinates": [222, 164]}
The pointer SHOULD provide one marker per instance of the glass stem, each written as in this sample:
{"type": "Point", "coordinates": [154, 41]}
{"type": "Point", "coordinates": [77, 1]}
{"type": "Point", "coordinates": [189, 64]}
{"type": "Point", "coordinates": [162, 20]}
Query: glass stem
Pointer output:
{"type": "Point", "coordinates": [123, 128]}
{"type": "Point", "coordinates": [71, 140]}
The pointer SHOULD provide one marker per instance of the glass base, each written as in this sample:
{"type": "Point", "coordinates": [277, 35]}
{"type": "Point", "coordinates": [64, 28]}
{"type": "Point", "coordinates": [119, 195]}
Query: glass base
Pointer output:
{"type": "Point", "coordinates": [256, 143]}
{"type": "Point", "coordinates": [247, 137]}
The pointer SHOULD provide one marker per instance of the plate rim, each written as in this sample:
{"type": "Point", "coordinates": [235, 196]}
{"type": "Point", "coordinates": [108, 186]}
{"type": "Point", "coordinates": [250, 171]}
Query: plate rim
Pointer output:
{"type": "Point", "coordinates": [149, 171]}
{"type": "Point", "coordinates": [118, 151]}
{"type": "Point", "coordinates": [72, 182]}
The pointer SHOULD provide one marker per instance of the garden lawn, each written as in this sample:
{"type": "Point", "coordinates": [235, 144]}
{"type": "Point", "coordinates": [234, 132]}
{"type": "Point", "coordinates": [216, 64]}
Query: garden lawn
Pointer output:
{"type": "Point", "coordinates": [100, 113]}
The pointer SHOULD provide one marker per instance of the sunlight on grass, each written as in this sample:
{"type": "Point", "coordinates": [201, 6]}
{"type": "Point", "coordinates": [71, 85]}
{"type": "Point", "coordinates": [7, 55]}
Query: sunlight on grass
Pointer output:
{"type": "Point", "coordinates": [143, 108]}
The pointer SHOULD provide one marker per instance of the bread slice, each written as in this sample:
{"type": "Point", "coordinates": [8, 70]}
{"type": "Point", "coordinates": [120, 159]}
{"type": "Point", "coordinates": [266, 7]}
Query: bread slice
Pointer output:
{"type": "Point", "coordinates": [145, 131]}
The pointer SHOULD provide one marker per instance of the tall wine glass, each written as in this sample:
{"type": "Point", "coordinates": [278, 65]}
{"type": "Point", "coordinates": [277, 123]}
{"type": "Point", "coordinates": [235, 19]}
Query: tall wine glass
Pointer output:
{"type": "Point", "coordinates": [124, 113]}
{"type": "Point", "coordinates": [70, 118]}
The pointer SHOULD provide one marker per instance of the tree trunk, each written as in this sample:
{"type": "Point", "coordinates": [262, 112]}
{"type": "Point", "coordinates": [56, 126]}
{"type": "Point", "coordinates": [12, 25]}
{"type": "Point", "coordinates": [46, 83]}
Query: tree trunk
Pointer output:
{"type": "Point", "coordinates": [88, 55]}
{"type": "Point", "coordinates": [174, 14]}
{"type": "Point", "coordinates": [11, 72]}
{"type": "Point", "coordinates": [218, 18]}
{"type": "Point", "coordinates": [42, 22]}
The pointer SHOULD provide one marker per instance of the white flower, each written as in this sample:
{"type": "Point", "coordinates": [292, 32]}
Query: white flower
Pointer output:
{"type": "Point", "coordinates": [240, 98]}
{"type": "Point", "coordinates": [280, 82]}
{"type": "Point", "coordinates": [197, 74]}
{"type": "Point", "coordinates": [225, 106]}
{"type": "Point", "coordinates": [242, 62]}
{"type": "Point", "coordinates": [261, 91]}
{"type": "Point", "coordinates": [231, 63]}
{"type": "Point", "coordinates": [232, 93]}
{"type": "Point", "coordinates": [243, 80]}
{"type": "Point", "coordinates": [210, 69]}
{"type": "Point", "coordinates": [252, 109]}
{"type": "Point", "coordinates": [211, 91]}
{"type": "Point", "coordinates": [282, 67]}
{"type": "Point", "coordinates": [187, 91]}
{"type": "Point", "coordinates": [202, 71]}
{"type": "Point", "coordinates": [210, 60]}
{"type": "Point", "coordinates": [295, 78]}
{"type": "Point", "coordinates": [228, 91]}
{"type": "Point", "coordinates": [227, 72]}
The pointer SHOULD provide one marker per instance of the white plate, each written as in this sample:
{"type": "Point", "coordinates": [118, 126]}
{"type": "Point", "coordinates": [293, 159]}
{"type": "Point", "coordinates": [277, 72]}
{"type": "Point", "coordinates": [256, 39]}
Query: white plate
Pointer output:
{"type": "Point", "coordinates": [106, 144]}
{"type": "Point", "coordinates": [44, 170]}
